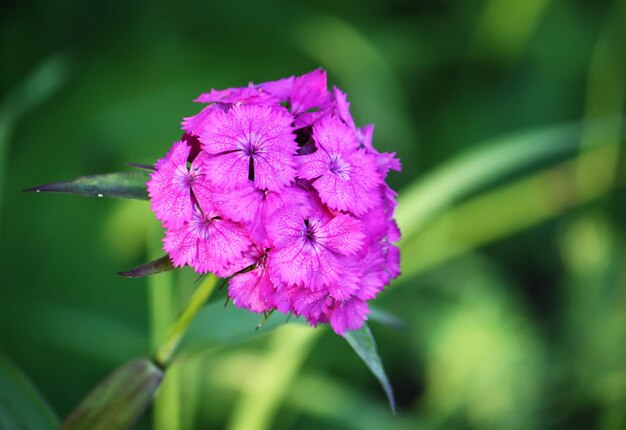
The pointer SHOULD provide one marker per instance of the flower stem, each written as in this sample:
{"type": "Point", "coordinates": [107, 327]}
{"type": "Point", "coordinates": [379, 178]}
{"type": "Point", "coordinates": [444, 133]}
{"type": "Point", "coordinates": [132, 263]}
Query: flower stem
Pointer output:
{"type": "Point", "coordinates": [164, 354]}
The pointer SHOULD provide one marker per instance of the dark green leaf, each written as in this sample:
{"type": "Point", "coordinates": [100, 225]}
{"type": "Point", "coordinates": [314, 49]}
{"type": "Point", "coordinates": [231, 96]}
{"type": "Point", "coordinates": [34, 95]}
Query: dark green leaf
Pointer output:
{"type": "Point", "coordinates": [163, 264]}
{"type": "Point", "coordinates": [141, 166]}
{"type": "Point", "coordinates": [215, 326]}
{"type": "Point", "coordinates": [118, 401]}
{"type": "Point", "coordinates": [363, 343]}
{"type": "Point", "coordinates": [124, 185]}
{"type": "Point", "coordinates": [21, 406]}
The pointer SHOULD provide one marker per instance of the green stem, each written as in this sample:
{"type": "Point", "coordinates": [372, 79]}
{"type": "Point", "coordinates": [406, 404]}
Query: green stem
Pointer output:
{"type": "Point", "coordinates": [164, 354]}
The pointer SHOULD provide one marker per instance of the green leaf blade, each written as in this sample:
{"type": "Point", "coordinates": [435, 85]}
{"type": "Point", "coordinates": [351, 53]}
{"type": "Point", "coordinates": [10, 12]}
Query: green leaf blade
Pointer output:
{"type": "Point", "coordinates": [21, 406]}
{"type": "Point", "coordinates": [363, 343]}
{"type": "Point", "coordinates": [123, 185]}
{"type": "Point", "coordinates": [118, 401]}
{"type": "Point", "coordinates": [160, 265]}
{"type": "Point", "coordinates": [381, 316]}
{"type": "Point", "coordinates": [479, 167]}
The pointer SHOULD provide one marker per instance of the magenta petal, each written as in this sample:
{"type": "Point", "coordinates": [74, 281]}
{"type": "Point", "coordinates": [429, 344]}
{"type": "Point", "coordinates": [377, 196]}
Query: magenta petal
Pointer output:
{"type": "Point", "coordinates": [394, 234]}
{"type": "Point", "coordinates": [251, 137]}
{"type": "Point", "coordinates": [349, 184]}
{"type": "Point", "coordinates": [180, 244]}
{"type": "Point", "coordinates": [334, 137]}
{"type": "Point", "coordinates": [348, 283]}
{"type": "Point", "coordinates": [281, 89]}
{"type": "Point", "coordinates": [309, 91]}
{"type": "Point", "coordinates": [291, 196]}
{"type": "Point", "coordinates": [228, 171]}
{"type": "Point", "coordinates": [314, 165]}
{"type": "Point", "coordinates": [194, 124]}
{"type": "Point", "coordinates": [207, 244]}
{"type": "Point", "coordinates": [275, 169]}
{"type": "Point", "coordinates": [311, 305]}
{"type": "Point", "coordinates": [349, 316]}
{"type": "Point", "coordinates": [303, 245]}
{"type": "Point", "coordinates": [393, 261]}
{"type": "Point", "coordinates": [242, 204]}
{"type": "Point", "coordinates": [216, 95]}
{"type": "Point", "coordinates": [365, 135]}
{"type": "Point", "coordinates": [201, 187]}
{"type": "Point", "coordinates": [222, 245]}
{"type": "Point", "coordinates": [344, 176]}
{"type": "Point", "coordinates": [343, 107]}
{"type": "Point", "coordinates": [343, 234]}
{"type": "Point", "coordinates": [281, 298]}
{"type": "Point", "coordinates": [286, 226]}
{"type": "Point", "coordinates": [301, 263]}
{"type": "Point", "coordinates": [169, 186]}
{"type": "Point", "coordinates": [250, 290]}
{"type": "Point", "coordinates": [309, 118]}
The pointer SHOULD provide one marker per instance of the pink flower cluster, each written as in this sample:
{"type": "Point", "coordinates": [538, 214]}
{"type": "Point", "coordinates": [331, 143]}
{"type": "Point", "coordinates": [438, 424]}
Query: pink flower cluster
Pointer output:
{"type": "Point", "coordinates": [274, 185]}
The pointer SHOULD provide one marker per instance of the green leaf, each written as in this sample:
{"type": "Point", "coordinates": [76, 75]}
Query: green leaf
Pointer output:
{"type": "Point", "coordinates": [118, 401]}
{"type": "Point", "coordinates": [123, 185]}
{"type": "Point", "coordinates": [384, 317]}
{"type": "Point", "coordinates": [216, 326]}
{"type": "Point", "coordinates": [21, 406]}
{"type": "Point", "coordinates": [485, 165]}
{"type": "Point", "coordinates": [362, 341]}
{"type": "Point", "coordinates": [163, 264]}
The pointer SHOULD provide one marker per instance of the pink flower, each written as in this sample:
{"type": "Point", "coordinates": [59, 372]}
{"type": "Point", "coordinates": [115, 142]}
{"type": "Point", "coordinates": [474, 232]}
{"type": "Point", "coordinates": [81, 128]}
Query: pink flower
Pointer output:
{"type": "Point", "coordinates": [348, 315]}
{"type": "Point", "coordinates": [250, 143]}
{"type": "Point", "coordinates": [174, 188]}
{"type": "Point", "coordinates": [275, 186]}
{"type": "Point", "coordinates": [345, 176]}
{"type": "Point", "coordinates": [309, 243]}
{"type": "Point", "coordinates": [208, 243]}
{"type": "Point", "coordinates": [253, 290]}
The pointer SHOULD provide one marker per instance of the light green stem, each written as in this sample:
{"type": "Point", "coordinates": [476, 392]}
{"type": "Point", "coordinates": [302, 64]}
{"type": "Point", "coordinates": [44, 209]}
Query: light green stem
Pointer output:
{"type": "Point", "coordinates": [165, 352]}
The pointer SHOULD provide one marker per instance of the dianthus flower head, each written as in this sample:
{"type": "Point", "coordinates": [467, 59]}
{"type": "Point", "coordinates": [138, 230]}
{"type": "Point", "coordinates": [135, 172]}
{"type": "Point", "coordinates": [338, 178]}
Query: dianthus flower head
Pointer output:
{"type": "Point", "coordinates": [275, 187]}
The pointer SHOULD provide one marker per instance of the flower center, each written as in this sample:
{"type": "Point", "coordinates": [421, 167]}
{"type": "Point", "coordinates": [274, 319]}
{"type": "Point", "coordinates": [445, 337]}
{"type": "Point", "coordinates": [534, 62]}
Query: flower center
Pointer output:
{"type": "Point", "coordinates": [251, 150]}
{"type": "Point", "coordinates": [201, 224]}
{"type": "Point", "coordinates": [339, 167]}
{"type": "Point", "coordinates": [250, 145]}
{"type": "Point", "coordinates": [309, 232]}
{"type": "Point", "coordinates": [185, 178]}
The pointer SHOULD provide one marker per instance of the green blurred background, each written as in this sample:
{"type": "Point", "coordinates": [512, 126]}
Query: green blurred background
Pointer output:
{"type": "Point", "coordinates": [507, 116]}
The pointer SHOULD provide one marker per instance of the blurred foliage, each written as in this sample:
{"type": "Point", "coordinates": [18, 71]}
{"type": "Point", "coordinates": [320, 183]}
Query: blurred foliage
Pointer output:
{"type": "Point", "coordinates": [514, 292]}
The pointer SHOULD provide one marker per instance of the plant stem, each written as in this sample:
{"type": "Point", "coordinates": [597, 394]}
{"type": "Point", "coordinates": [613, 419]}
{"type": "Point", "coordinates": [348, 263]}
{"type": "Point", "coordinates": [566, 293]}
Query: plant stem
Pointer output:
{"type": "Point", "coordinates": [164, 354]}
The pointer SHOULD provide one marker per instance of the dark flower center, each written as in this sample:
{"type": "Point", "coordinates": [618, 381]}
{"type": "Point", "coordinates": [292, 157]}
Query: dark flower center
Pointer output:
{"type": "Point", "coordinates": [309, 232]}
{"type": "Point", "coordinates": [339, 167]}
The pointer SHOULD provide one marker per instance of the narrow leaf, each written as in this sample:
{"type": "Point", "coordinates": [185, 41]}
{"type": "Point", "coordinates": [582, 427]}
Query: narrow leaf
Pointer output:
{"type": "Point", "coordinates": [21, 406]}
{"type": "Point", "coordinates": [363, 343]}
{"type": "Point", "coordinates": [163, 264]}
{"type": "Point", "coordinates": [487, 164]}
{"type": "Point", "coordinates": [142, 166]}
{"type": "Point", "coordinates": [124, 185]}
{"type": "Point", "coordinates": [216, 326]}
{"type": "Point", "coordinates": [384, 317]}
{"type": "Point", "coordinates": [118, 401]}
